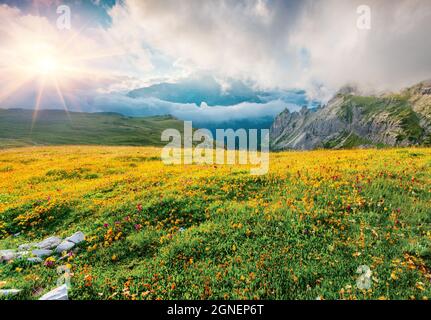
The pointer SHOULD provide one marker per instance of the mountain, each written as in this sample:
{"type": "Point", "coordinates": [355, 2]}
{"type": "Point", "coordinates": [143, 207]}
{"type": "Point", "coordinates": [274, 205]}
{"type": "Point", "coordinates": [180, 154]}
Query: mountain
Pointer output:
{"type": "Point", "coordinates": [354, 120]}
{"type": "Point", "coordinates": [199, 89]}
{"type": "Point", "coordinates": [55, 127]}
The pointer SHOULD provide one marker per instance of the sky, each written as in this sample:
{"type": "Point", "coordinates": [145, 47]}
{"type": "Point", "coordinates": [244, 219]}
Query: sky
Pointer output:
{"type": "Point", "coordinates": [272, 46]}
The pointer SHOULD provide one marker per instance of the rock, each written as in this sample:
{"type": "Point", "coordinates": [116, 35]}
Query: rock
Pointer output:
{"type": "Point", "coordinates": [40, 253]}
{"type": "Point", "coordinates": [350, 120]}
{"type": "Point", "coordinates": [77, 237]}
{"type": "Point", "coordinates": [9, 292]}
{"type": "Point", "coordinates": [26, 246]}
{"type": "Point", "coordinates": [7, 255]}
{"type": "Point", "coordinates": [49, 243]}
{"type": "Point", "coordinates": [22, 254]}
{"type": "Point", "coordinates": [34, 260]}
{"type": "Point", "coordinates": [59, 293]}
{"type": "Point", "coordinates": [64, 246]}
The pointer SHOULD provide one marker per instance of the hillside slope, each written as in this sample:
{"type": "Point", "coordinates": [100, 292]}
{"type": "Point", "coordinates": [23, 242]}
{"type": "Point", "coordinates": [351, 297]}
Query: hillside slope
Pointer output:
{"type": "Point", "coordinates": [55, 127]}
{"type": "Point", "coordinates": [156, 231]}
{"type": "Point", "coordinates": [351, 120]}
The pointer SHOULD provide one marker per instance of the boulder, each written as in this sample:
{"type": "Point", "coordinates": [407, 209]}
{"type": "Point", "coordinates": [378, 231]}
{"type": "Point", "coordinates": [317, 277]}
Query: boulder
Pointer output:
{"type": "Point", "coordinates": [26, 246]}
{"type": "Point", "coordinates": [9, 292]}
{"type": "Point", "coordinates": [59, 293]}
{"type": "Point", "coordinates": [34, 260]}
{"type": "Point", "coordinates": [40, 253]}
{"type": "Point", "coordinates": [77, 237]}
{"type": "Point", "coordinates": [49, 243]}
{"type": "Point", "coordinates": [7, 255]}
{"type": "Point", "coordinates": [65, 246]}
{"type": "Point", "coordinates": [22, 254]}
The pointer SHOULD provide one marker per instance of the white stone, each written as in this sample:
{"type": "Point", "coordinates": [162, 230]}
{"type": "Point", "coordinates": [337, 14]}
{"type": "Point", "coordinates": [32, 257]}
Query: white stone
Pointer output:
{"type": "Point", "coordinates": [49, 243]}
{"type": "Point", "coordinates": [77, 237]}
{"type": "Point", "coordinates": [41, 253]}
{"type": "Point", "coordinates": [22, 254]}
{"type": "Point", "coordinates": [9, 292]}
{"type": "Point", "coordinates": [26, 246]}
{"type": "Point", "coordinates": [7, 255]}
{"type": "Point", "coordinates": [34, 260]}
{"type": "Point", "coordinates": [64, 246]}
{"type": "Point", "coordinates": [59, 293]}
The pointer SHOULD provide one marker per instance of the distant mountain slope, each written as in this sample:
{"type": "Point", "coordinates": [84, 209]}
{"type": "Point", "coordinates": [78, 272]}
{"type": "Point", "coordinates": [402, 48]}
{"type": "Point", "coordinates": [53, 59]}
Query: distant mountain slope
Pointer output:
{"type": "Point", "coordinates": [351, 120]}
{"type": "Point", "coordinates": [55, 127]}
{"type": "Point", "coordinates": [197, 90]}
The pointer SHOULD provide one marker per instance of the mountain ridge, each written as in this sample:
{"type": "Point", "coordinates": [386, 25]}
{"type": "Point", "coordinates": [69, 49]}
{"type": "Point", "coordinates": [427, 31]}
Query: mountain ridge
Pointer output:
{"type": "Point", "coordinates": [352, 120]}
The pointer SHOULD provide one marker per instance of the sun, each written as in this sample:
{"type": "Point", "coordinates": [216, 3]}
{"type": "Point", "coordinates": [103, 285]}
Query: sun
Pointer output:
{"type": "Point", "coordinates": [44, 60]}
{"type": "Point", "coordinates": [47, 65]}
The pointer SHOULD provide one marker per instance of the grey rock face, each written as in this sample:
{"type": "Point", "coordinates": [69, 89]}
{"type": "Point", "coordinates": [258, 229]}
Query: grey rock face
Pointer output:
{"type": "Point", "coordinates": [26, 246]}
{"type": "Point", "coordinates": [22, 254]}
{"type": "Point", "coordinates": [49, 243]}
{"type": "Point", "coordinates": [65, 246]}
{"type": "Point", "coordinates": [59, 293]}
{"type": "Point", "coordinates": [350, 120]}
{"type": "Point", "coordinates": [77, 237]}
{"type": "Point", "coordinates": [34, 260]}
{"type": "Point", "coordinates": [9, 292]}
{"type": "Point", "coordinates": [7, 255]}
{"type": "Point", "coordinates": [40, 253]}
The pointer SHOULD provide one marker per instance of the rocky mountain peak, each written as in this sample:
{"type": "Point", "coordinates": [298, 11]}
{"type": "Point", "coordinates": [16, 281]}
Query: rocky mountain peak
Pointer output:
{"type": "Point", "coordinates": [353, 120]}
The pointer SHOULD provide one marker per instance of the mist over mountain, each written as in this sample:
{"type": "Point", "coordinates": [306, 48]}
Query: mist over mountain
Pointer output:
{"type": "Point", "coordinates": [198, 90]}
{"type": "Point", "coordinates": [213, 104]}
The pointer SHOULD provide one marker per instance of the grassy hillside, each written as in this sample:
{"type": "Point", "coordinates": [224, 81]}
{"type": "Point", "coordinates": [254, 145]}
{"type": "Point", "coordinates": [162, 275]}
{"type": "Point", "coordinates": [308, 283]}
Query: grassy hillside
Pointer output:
{"type": "Point", "coordinates": [55, 127]}
{"type": "Point", "coordinates": [214, 232]}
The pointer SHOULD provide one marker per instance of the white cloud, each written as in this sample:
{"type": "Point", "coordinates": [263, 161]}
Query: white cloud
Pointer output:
{"type": "Point", "coordinates": [393, 54]}
{"type": "Point", "coordinates": [265, 40]}
{"type": "Point", "coordinates": [151, 106]}
{"type": "Point", "coordinates": [311, 44]}
{"type": "Point", "coordinates": [240, 39]}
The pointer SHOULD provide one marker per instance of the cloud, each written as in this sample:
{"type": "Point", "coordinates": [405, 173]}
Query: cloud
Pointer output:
{"type": "Point", "coordinates": [240, 39]}
{"type": "Point", "coordinates": [93, 58]}
{"type": "Point", "coordinates": [274, 44]}
{"type": "Point", "coordinates": [187, 111]}
{"type": "Point", "coordinates": [313, 44]}
{"type": "Point", "coordinates": [393, 54]}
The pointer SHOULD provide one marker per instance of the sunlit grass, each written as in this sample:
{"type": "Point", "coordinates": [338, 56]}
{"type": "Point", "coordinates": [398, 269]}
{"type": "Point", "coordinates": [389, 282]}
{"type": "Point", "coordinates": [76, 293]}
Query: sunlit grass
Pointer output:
{"type": "Point", "coordinates": [216, 232]}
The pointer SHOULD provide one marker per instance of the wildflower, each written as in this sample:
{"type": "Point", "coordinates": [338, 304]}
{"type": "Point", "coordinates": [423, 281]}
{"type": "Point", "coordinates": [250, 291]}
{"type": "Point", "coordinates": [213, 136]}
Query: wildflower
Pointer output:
{"type": "Point", "coordinates": [49, 262]}
{"type": "Point", "coordinates": [106, 225]}
{"type": "Point", "coordinates": [88, 279]}
{"type": "Point", "coordinates": [139, 207]}
{"type": "Point", "coordinates": [420, 286]}
{"type": "Point", "coordinates": [138, 227]}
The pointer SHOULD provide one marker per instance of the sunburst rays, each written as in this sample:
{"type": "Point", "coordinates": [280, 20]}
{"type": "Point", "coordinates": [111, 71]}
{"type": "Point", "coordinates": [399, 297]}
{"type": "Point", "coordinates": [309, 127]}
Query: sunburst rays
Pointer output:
{"type": "Point", "coordinates": [52, 65]}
